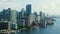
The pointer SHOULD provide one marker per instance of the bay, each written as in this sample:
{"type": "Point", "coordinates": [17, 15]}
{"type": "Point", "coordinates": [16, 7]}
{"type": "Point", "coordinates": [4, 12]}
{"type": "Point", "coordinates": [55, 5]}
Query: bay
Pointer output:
{"type": "Point", "coordinates": [54, 29]}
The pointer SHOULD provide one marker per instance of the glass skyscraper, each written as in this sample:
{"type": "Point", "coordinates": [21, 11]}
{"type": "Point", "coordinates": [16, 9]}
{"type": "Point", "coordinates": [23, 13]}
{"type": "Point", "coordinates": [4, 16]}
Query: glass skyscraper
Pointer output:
{"type": "Point", "coordinates": [13, 19]}
{"type": "Point", "coordinates": [28, 12]}
{"type": "Point", "coordinates": [28, 9]}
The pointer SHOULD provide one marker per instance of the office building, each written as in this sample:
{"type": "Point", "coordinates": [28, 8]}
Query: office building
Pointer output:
{"type": "Point", "coordinates": [1, 16]}
{"type": "Point", "coordinates": [35, 15]}
{"type": "Point", "coordinates": [31, 20]}
{"type": "Point", "coordinates": [21, 21]}
{"type": "Point", "coordinates": [28, 9]}
{"type": "Point", "coordinates": [6, 14]}
{"type": "Point", "coordinates": [3, 25]}
{"type": "Point", "coordinates": [13, 19]}
{"type": "Point", "coordinates": [42, 19]}
{"type": "Point", "coordinates": [38, 19]}
{"type": "Point", "coordinates": [41, 15]}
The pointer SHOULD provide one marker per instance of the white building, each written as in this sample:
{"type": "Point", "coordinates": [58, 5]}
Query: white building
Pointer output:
{"type": "Point", "coordinates": [31, 19]}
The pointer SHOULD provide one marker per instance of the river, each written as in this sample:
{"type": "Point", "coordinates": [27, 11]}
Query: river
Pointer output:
{"type": "Point", "coordinates": [54, 29]}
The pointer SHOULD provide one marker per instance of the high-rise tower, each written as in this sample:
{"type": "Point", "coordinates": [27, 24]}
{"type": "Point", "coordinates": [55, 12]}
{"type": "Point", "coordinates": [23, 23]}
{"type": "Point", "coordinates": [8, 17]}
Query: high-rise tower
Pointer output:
{"type": "Point", "coordinates": [28, 9]}
{"type": "Point", "coordinates": [13, 20]}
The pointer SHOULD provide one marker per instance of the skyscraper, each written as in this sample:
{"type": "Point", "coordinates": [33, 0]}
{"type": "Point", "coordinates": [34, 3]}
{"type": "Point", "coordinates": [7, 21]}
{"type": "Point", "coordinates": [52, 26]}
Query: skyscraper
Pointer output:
{"type": "Point", "coordinates": [42, 19]}
{"type": "Point", "coordinates": [41, 14]}
{"type": "Point", "coordinates": [6, 14]}
{"type": "Point", "coordinates": [21, 21]}
{"type": "Point", "coordinates": [13, 20]}
{"type": "Point", "coordinates": [35, 15]}
{"type": "Point", "coordinates": [28, 12]}
{"type": "Point", "coordinates": [31, 20]}
{"type": "Point", "coordinates": [28, 9]}
{"type": "Point", "coordinates": [1, 17]}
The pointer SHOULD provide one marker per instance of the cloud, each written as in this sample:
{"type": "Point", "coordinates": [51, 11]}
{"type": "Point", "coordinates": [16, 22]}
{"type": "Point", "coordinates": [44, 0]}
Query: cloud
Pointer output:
{"type": "Point", "coordinates": [10, 5]}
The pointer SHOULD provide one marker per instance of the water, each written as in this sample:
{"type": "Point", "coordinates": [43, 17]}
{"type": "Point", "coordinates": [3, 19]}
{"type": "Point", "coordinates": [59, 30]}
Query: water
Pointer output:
{"type": "Point", "coordinates": [54, 29]}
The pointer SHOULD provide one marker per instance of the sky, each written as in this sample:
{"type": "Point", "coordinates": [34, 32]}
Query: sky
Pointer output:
{"type": "Point", "coordinates": [51, 7]}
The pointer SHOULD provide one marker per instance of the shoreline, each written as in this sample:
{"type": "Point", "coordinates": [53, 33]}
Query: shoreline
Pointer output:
{"type": "Point", "coordinates": [23, 28]}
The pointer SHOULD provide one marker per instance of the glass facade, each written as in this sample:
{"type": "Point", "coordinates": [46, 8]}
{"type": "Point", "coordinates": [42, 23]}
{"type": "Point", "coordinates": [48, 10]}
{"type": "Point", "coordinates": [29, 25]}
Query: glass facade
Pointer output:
{"type": "Point", "coordinates": [28, 9]}
{"type": "Point", "coordinates": [13, 19]}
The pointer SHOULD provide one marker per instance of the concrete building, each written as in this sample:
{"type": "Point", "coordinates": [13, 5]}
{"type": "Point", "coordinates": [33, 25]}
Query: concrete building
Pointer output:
{"type": "Point", "coordinates": [31, 19]}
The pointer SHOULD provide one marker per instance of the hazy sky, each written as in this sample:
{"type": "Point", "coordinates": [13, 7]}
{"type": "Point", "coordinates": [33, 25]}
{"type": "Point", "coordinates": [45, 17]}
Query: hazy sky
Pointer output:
{"type": "Point", "coordinates": [48, 6]}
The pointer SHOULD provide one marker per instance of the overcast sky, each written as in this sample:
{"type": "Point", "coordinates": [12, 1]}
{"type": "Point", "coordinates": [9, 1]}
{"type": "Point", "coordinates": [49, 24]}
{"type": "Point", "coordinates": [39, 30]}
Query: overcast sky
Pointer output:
{"type": "Point", "coordinates": [48, 6]}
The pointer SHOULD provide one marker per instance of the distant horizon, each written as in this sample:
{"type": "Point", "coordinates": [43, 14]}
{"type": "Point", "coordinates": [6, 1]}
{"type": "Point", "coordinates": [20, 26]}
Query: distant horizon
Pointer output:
{"type": "Point", "coordinates": [32, 12]}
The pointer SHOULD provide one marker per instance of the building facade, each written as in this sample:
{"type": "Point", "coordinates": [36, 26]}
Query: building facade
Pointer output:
{"type": "Point", "coordinates": [13, 20]}
{"type": "Point", "coordinates": [31, 19]}
{"type": "Point", "coordinates": [28, 9]}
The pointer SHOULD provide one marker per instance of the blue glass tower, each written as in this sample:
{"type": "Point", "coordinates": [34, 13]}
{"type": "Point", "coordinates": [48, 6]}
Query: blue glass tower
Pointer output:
{"type": "Point", "coordinates": [28, 9]}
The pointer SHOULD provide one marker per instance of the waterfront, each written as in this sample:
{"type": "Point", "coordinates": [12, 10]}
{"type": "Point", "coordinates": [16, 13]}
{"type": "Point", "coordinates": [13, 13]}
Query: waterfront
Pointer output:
{"type": "Point", "coordinates": [54, 29]}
